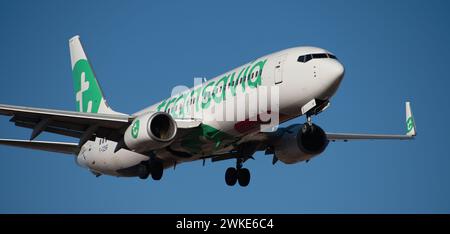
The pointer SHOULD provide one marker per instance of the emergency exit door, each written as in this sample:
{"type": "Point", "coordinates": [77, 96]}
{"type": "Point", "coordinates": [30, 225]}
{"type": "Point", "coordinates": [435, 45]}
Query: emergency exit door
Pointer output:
{"type": "Point", "coordinates": [278, 76]}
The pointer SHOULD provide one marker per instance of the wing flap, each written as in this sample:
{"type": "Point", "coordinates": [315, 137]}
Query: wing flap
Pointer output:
{"type": "Point", "coordinates": [66, 123]}
{"type": "Point", "coordinates": [59, 131]}
{"type": "Point", "coordinates": [58, 147]}
{"type": "Point", "coordinates": [107, 120]}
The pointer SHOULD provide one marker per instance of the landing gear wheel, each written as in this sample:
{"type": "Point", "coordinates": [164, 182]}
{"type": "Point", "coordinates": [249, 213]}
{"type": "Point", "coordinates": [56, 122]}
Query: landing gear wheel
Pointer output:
{"type": "Point", "coordinates": [156, 169]}
{"type": "Point", "coordinates": [231, 176]}
{"type": "Point", "coordinates": [243, 177]}
{"type": "Point", "coordinates": [143, 172]}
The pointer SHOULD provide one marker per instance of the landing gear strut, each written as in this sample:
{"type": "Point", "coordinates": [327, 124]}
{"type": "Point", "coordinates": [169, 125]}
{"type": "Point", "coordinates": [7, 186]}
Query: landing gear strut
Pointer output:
{"type": "Point", "coordinates": [309, 120]}
{"type": "Point", "coordinates": [238, 174]}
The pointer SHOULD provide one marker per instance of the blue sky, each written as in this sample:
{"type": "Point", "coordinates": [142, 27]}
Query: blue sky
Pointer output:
{"type": "Point", "coordinates": [393, 51]}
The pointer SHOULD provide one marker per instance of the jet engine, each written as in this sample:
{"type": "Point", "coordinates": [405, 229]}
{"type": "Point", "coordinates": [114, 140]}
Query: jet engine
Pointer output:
{"type": "Point", "coordinates": [300, 142]}
{"type": "Point", "coordinates": [150, 131]}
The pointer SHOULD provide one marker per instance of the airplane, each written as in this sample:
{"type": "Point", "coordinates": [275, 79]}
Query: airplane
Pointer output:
{"type": "Point", "coordinates": [177, 130]}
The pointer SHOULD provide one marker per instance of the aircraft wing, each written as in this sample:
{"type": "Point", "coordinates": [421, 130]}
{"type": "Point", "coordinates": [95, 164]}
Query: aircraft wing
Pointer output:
{"type": "Point", "coordinates": [352, 136]}
{"type": "Point", "coordinates": [410, 134]}
{"type": "Point", "coordinates": [77, 124]}
{"type": "Point", "coordinates": [69, 123]}
{"type": "Point", "coordinates": [263, 140]}
{"type": "Point", "coordinates": [58, 147]}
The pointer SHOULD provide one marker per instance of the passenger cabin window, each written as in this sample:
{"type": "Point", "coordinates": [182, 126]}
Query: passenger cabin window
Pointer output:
{"type": "Point", "coordinates": [306, 58]}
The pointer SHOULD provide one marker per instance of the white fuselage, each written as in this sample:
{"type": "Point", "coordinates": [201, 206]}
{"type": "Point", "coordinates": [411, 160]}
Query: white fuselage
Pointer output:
{"type": "Point", "coordinates": [297, 84]}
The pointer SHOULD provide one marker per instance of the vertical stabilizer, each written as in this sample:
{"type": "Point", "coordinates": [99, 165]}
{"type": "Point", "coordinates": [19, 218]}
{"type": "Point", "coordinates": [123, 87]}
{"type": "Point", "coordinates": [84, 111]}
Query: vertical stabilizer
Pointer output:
{"type": "Point", "coordinates": [88, 94]}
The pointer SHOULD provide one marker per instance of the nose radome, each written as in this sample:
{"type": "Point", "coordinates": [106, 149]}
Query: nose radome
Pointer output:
{"type": "Point", "coordinates": [334, 71]}
{"type": "Point", "coordinates": [339, 71]}
{"type": "Point", "coordinates": [333, 75]}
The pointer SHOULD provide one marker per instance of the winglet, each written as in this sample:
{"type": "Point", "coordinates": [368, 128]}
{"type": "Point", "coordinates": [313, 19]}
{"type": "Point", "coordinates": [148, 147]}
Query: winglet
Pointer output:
{"type": "Point", "coordinates": [410, 124]}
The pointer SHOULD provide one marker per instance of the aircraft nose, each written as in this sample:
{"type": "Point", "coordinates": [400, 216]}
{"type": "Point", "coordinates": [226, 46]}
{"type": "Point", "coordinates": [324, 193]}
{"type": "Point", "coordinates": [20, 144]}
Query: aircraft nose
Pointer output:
{"type": "Point", "coordinates": [339, 71]}
{"type": "Point", "coordinates": [333, 74]}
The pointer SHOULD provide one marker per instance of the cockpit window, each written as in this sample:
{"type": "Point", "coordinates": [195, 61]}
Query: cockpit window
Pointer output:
{"type": "Point", "coordinates": [301, 59]}
{"type": "Point", "coordinates": [320, 56]}
{"type": "Point", "coordinates": [306, 58]}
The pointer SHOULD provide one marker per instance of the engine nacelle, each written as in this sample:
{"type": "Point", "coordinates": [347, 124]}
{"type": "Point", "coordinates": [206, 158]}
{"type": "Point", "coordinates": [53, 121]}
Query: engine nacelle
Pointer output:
{"type": "Point", "coordinates": [150, 131]}
{"type": "Point", "coordinates": [301, 142]}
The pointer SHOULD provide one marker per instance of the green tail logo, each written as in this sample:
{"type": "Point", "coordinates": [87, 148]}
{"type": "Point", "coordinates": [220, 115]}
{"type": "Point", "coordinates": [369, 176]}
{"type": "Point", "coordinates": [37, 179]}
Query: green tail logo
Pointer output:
{"type": "Point", "coordinates": [87, 91]}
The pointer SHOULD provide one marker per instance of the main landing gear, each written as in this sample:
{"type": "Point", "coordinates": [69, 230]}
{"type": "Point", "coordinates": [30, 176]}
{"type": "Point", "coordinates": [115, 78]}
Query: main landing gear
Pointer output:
{"type": "Point", "coordinates": [152, 167]}
{"type": "Point", "coordinates": [238, 174]}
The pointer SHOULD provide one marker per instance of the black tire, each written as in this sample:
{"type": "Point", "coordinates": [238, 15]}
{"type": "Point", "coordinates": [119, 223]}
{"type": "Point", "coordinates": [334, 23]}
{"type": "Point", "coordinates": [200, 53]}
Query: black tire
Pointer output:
{"type": "Point", "coordinates": [156, 170]}
{"type": "Point", "coordinates": [231, 176]}
{"type": "Point", "coordinates": [243, 177]}
{"type": "Point", "coordinates": [143, 172]}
